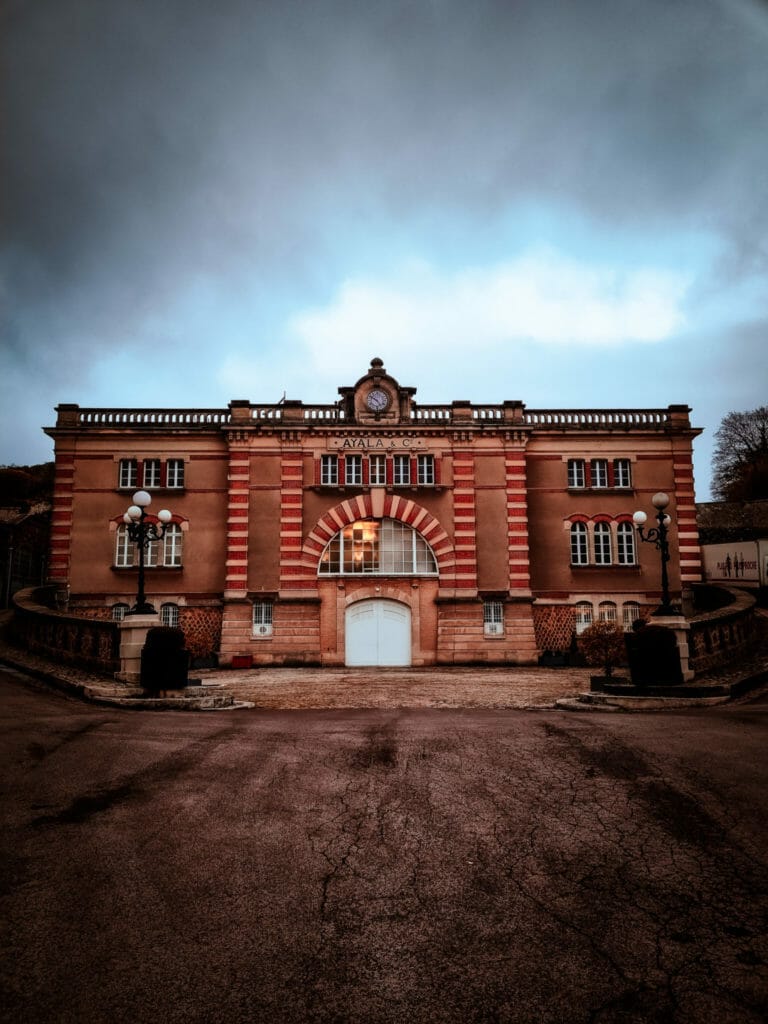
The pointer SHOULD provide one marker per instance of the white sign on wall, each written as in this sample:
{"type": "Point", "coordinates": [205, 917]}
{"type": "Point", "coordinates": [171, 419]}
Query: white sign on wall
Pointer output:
{"type": "Point", "coordinates": [731, 563]}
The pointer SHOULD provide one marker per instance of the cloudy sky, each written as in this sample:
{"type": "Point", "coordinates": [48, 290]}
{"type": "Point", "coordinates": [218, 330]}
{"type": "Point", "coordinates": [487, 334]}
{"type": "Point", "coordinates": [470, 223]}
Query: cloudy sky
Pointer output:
{"type": "Point", "coordinates": [559, 201]}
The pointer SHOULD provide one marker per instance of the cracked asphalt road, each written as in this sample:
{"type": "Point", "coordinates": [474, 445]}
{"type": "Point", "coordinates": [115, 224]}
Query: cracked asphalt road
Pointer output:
{"type": "Point", "coordinates": [375, 866]}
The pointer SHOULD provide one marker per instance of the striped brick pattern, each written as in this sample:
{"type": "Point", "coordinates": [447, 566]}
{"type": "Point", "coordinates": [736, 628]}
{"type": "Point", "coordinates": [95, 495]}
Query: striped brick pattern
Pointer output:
{"type": "Point", "coordinates": [465, 520]}
{"type": "Point", "coordinates": [517, 523]}
{"type": "Point", "coordinates": [361, 507]}
{"type": "Point", "coordinates": [292, 573]}
{"type": "Point", "coordinates": [61, 519]}
{"type": "Point", "coordinates": [237, 522]}
{"type": "Point", "coordinates": [687, 529]}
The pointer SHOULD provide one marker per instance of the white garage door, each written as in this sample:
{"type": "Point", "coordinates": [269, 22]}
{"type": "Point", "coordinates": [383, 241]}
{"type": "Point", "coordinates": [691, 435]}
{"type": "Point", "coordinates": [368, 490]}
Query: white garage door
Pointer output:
{"type": "Point", "coordinates": [378, 632]}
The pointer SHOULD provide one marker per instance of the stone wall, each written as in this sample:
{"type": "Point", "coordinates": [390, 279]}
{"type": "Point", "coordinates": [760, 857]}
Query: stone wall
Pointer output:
{"type": "Point", "coordinates": [87, 643]}
{"type": "Point", "coordinates": [720, 636]}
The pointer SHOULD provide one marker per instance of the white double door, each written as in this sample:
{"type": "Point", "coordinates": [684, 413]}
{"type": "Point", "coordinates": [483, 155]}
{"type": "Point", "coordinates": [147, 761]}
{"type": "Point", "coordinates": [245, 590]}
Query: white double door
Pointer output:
{"type": "Point", "coordinates": [378, 632]}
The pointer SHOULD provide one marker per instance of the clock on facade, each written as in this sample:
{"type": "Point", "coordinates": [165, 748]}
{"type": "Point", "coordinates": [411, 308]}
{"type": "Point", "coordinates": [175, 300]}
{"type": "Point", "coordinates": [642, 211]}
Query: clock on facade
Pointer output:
{"type": "Point", "coordinates": [377, 400]}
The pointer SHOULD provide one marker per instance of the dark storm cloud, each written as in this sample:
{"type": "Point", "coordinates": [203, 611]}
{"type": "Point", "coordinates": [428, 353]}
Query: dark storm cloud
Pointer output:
{"type": "Point", "coordinates": [152, 140]}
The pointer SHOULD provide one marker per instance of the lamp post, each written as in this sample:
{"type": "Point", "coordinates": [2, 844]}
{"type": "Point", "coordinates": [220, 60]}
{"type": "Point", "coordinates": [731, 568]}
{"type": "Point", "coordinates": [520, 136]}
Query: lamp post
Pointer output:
{"type": "Point", "coordinates": [658, 535]}
{"type": "Point", "coordinates": [143, 533]}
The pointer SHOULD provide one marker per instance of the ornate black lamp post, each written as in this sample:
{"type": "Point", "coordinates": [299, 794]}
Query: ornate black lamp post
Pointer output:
{"type": "Point", "coordinates": [658, 535]}
{"type": "Point", "coordinates": [143, 533]}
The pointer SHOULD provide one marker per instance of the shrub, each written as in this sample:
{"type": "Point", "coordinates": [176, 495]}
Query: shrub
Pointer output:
{"type": "Point", "coordinates": [602, 643]}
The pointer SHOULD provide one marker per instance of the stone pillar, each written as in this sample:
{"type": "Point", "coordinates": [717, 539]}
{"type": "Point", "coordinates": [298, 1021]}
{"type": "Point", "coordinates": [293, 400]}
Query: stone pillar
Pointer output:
{"type": "Point", "coordinates": [680, 627]}
{"type": "Point", "coordinates": [133, 634]}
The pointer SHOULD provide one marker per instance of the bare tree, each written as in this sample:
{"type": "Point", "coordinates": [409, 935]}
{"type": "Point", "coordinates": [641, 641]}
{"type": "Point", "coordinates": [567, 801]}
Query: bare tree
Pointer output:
{"type": "Point", "coordinates": [740, 459]}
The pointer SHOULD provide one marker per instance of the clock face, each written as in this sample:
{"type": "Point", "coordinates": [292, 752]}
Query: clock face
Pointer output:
{"type": "Point", "coordinates": [377, 400]}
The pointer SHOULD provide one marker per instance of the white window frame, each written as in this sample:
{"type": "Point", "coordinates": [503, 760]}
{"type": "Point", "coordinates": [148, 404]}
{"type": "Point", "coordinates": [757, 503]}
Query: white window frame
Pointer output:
{"type": "Point", "coordinates": [579, 544]}
{"type": "Point", "coordinates": [630, 613]}
{"type": "Point", "coordinates": [583, 616]}
{"type": "Point", "coordinates": [152, 473]}
{"type": "Point", "coordinates": [329, 470]}
{"type": "Point", "coordinates": [577, 476]}
{"type": "Point", "coordinates": [125, 549]}
{"type": "Point", "coordinates": [425, 470]}
{"type": "Point", "coordinates": [607, 612]}
{"type": "Point", "coordinates": [377, 470]}
{"type": "Point", "coordinates": [119, 611]}
{"type": "Point", "coordinates": [262, 619]}
{"type": "Point", "coordinates": [175, 474]}
{"type": "Point", "coordinates": [603, 547]}
{"type": "Point", "coordinates": [169, 614]}
{"type": "Point", "coordinates": [353, 470]}
{"type": "Point", "coordinates": [383, 547]}
{"type": "Point", "coordinates": [128, 474]}
{"type": "Point", "coordinates": [625, 544]}
{"type": "Point", "coordinates": [493, 618]}
{"type": "Point", "coordinates": [622, 473]}
{"type": "Point", "coordinates": [401, 470]}
{"type": "Point", "coordinates": [599, 473]}
{"type": "Point", "coordinates": [173, 546]}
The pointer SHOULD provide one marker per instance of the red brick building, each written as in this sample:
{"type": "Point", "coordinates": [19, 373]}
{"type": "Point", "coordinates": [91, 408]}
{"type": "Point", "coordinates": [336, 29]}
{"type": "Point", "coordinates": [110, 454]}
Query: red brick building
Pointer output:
{"type": "Point", "coordinates": [375, 530]}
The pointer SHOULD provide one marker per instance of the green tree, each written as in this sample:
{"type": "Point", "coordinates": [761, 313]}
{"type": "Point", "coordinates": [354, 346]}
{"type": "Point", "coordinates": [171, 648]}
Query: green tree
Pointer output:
{"type": "Point", "coordinates": [740, 458]}
{"type": "Point", "coordinates": [602, 644]}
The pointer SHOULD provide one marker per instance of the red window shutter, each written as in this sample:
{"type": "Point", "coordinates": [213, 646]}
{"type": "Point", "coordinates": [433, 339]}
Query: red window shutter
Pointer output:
{"type": "Point", "coordinates": [414, 471]}
{"type": "Point", "coordinates": [342, 472]}
{"type": "Point", "coordinates": [437, 471]}
{"type": "Point", "coordinates": [390, 475]}
{"type": "Point", "coordinates": [366, 472]}
{"type": "Point", "coordinates": [318, 471]}
{"type": "Point", "coordinates": [611, 472]}
{"type": "Point", "coordinates": [163, 472]}
{"type": "Point", "coordinates": [587, 473]}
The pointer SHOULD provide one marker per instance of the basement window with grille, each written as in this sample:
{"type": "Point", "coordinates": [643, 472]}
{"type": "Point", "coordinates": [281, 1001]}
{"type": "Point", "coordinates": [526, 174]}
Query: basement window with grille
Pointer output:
{"type": "Point", "coordinates": [493, 618]}
{"type": "Point", "coordinates": [262, 619]}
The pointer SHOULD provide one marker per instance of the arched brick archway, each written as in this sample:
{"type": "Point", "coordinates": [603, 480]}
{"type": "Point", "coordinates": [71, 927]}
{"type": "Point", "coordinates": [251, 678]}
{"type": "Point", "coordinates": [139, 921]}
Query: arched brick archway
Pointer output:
{"type": "Point", "coordinates": [404, 510]}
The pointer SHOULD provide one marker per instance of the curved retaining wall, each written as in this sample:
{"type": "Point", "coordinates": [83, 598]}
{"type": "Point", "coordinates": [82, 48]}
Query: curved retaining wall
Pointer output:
{"type": "Point", "coordinates": [716, 638]}
{"type": "Point", "coordinates": [89, 643]}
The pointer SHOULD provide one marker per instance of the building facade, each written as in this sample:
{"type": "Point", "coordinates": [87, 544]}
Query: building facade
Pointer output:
{"type": "Point", "coordinates": [375, 530]}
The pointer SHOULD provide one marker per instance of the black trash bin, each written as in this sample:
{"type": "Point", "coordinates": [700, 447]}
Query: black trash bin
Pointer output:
{"type": "Point", "coordinates": [164, 659]}
{"type": "Point", "coordinates": [654, 658]}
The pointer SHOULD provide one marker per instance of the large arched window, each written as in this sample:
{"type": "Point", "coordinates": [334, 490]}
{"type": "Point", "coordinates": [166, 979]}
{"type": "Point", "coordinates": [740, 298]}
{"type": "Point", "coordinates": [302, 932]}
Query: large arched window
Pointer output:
{"type": "Point", "coordinates": [383, 547]}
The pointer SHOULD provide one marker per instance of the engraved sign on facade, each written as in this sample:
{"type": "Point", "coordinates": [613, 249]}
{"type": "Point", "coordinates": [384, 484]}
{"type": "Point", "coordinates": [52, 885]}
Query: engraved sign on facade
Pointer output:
{"type": "Point", "coordinates": [376, 443]}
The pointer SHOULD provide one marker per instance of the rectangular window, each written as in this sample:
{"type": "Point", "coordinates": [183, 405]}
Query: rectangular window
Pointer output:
{"type": "Point", "coordinates": [579, 548]}
{"type": "Point", "coordinates": [622, 473]}
{"type": "Point", "coordinates": [401, 470]}
{"type": "Point", "coordinates": [262, 618]}
{"type": "Point", "coordinates": [625, 543]}
{"type": "Point", "coordinates": [175, 473]}
{"type": "Point", "coordinates": [172, 545]}
{"type": "Point", "coordinates": [125, 549]}
{"type": "Point", "coordinates": [128, 475]}
{"type": "Point", "coordinates": [329, 470]}
{"type": "Point", "coordinates": [602, 544]}
{"type": "Point", "coordinates": [353, 471]}
{"type": "Point", "coordinates": [576, 474]}
{"type": "Point", "coordinates": [377, 469]}
{"type": "Point", "coordinates": [151, 473]}
{"type": "Point", "coordinates": [426, 470]}
{"type": "Point", "coordinates": [493, 618]}
{"type": "Point", "coordinates": [599, 472]}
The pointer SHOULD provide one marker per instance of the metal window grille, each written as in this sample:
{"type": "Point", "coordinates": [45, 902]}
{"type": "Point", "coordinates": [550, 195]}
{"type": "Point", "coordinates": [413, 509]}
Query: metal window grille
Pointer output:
{"type": "Point", "coordinates": [119, 611]}
{"type": "Point", "coordinates": [493, 618]}
{"type": "Point", "coordinates": [169, 614]}
{"type": "Point", "coordinates": [630, 613]}
{"type": "Point", "coordinates": [262, 618]}
{"type": "Point", "coordinates": [607, 611]}
{"type": "Point", "coordinates": [583, 616]}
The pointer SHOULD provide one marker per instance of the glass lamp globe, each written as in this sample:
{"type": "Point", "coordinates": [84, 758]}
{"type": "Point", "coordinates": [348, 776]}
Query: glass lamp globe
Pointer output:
{"type": "Point", "coordinates": [660, 500]}
{"type": "Point", "coordinates": [142, 498]}
{"type": "Point", "coordinates": [127, 517]}
{"type": "Point", "coordinates": [164, 515]}
{"type": "Point", "coordinates": [134, 512]}
{"type": "Point", "coordinates": [639, 518]}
